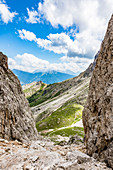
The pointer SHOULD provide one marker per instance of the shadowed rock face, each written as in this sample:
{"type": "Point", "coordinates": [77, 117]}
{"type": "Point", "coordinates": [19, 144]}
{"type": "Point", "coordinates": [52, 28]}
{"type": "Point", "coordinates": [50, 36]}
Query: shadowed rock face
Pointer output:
{"type": "Point", "coordinates": [3, 60]}
{"type": "Point", "coordinates": [16, 121]}
{"type": "Point", "coordinates": [98, 112]}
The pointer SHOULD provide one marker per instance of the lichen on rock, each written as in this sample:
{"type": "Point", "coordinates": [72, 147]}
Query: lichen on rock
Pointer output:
{"type": "Point", "coordinates": [98, 112]}
{"type": "Point", "coordinates": [16, 121]}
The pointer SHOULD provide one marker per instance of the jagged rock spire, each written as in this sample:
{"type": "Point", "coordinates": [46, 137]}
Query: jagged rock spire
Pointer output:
{"type": "Point", "coordinates": [3, 60]}
{"type": "Point", "coordinates": [16, 121]}
{"type": "Point", "coordinates": [98, 112]}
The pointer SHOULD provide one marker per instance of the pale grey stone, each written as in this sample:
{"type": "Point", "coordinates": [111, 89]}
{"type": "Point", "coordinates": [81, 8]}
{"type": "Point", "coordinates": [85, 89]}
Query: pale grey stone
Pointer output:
{"type": "Point", "coordinates": [98, 112]}
{"type": "Point", "coordinates": [16, 120]}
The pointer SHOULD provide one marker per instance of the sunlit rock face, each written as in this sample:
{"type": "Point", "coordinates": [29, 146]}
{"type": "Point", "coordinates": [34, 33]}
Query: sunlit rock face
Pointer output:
{"type": "Point", "coordinates": [98, 112]}
{"type": "Point", "coordinates": [16, 121]}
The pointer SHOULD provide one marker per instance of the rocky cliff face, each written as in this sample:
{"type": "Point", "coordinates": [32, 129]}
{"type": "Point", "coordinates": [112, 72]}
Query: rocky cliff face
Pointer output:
{"type": "Point", "coordinates": [16, 121]}
{"type": "Point", "coordinates": [98, 112]}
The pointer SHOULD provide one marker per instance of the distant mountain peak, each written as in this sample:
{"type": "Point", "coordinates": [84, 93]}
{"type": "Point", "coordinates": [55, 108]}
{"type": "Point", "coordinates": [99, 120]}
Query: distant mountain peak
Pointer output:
{"type": "Point", "coordinates": [46, 77]}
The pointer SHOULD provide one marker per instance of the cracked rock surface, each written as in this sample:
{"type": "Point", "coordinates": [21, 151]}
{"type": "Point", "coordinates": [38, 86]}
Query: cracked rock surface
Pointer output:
{"type": "Point", "coordinates": [98, 112]}
{"type": "Point", "coordinates": [16, 121]}
{"type": "Point", "coordinates": [43, 155]}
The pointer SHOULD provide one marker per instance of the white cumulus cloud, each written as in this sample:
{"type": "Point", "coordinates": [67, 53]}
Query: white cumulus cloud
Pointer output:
{"type": "Point", "coordinates": [76, 59]}
{"type": "Point", "coordinates": [5, 14]}
{"type": "Point", "coordinates": [11, 63]}
{"type": "Point", "coordinates": [27, 35]}
{"type": "Point", "coordinates": [89, 16]}
{"type": "Point", "coordinates": [30, 63]}
{"type": "Point", "coordinates": [27, 62]}
{"type": "Point", "coordinates": [33, 16]}
{"type": "Point", "coordinates": [83, 46]}
{"type": "Point", "coordinates": [85, 22]}
{"type": "Point", "coordinates": [86, 14]}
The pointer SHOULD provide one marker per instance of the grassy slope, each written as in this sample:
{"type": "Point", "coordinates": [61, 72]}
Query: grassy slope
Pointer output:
{"type": "Point", "coordinates": [69, 131]}
{"type": "Point", "coordinates": [65, 115]}
{"type": "Point", "coordinates": [31, 90]}
{"type": "Point", "coordinates": [53, 90]}
{"type": "Point", "coordinates": [79, 98]}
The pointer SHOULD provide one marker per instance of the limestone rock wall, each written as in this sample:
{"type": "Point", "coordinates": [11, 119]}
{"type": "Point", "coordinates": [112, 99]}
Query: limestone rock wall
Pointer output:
{"type": "Point", "coordinates": [98, 112]}
{"type": "Point", "coordinates": [16, 121]}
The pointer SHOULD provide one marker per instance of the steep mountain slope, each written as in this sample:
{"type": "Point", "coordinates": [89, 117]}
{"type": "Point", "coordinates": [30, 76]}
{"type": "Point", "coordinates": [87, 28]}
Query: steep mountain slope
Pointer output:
{"type": "Point", "coordinates": [45, 77]}
{"type": "Point", "coordinates": [98, 112]}
{"type": "Point", "coordinates": [58, 107]}
{"type": "Point", "coordinates": [77, 94]}
{"type": "Point", "coordinates": [56, 89]}
{"type": "Point", "coordinates": [16, 120]}
{"type": "Point", "coordinates": [30, 89]}
{"type": "Point", "coordinates": [60, 112]}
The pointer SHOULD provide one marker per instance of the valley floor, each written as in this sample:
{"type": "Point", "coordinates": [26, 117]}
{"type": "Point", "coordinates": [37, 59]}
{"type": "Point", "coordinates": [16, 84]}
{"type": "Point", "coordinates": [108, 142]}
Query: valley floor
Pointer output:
{"type": "Point", "coordinates": [59, 115]}
{"type": "Point", "coordinates": [44, 155]}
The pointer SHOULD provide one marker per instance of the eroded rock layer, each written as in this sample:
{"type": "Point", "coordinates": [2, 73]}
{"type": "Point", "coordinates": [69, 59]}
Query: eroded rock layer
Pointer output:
{"type": "Point", "coordinates": [16, 121]}
{"type": "Point", "coordinates": [98, 112]}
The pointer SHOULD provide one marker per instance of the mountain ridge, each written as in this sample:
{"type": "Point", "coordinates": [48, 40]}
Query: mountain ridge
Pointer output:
{"type": "Point", "coordinates": [45, 77]}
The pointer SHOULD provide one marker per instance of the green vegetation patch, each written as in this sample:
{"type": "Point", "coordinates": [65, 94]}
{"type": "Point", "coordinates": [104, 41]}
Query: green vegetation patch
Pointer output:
{"type": "Point", "coordinates": [69, 131]}
{"type": "Point", "coordinates": [56, 89]}
{"type": "Point", "coordinates": [42, 86]}
{"type": "Point", "coordinates": [36, 101]}
{"type": "Point", "coordinates": [64, 116]}
{"type": "Point", "coordinates": [30, 89]}
{"type": "Point", "coordinates": [33, 100]}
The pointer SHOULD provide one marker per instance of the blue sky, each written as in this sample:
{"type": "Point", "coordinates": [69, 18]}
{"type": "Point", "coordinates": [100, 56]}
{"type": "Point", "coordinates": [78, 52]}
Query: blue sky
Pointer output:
{"type": "Point", "coordinates": [45, 35]}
